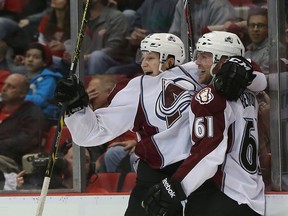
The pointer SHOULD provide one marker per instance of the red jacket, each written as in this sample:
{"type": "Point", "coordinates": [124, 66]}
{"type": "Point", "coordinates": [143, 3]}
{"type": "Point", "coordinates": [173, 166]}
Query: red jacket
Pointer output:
{"type": "Point", "coordinates": [3, 75]}
{"type": "Point", "coordinates": [15, 6]}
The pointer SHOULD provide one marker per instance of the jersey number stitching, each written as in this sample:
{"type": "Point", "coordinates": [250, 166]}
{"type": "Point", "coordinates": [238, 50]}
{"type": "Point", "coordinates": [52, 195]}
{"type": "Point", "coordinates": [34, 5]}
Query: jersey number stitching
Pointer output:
{"type": "Point", "coordinates": [203, 126]}
{"type": "Point", "coordinates": [248, 151]}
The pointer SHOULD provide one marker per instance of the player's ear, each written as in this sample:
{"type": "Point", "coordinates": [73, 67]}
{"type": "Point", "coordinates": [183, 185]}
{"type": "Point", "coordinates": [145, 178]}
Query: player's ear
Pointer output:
{"type": "Point", "coordinates": [170, 62]}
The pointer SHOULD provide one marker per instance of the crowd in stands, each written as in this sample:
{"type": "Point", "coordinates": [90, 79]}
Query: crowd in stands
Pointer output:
{"type": "Point", "coordinates": [35, 52]}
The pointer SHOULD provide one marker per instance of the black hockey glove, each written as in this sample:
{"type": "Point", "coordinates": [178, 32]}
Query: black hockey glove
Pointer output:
{"type": "Point", "coordinates": [163, 198]}
{"type": "Point", "coordinates": [71, 90]}
{"type": "Point", "coordinates": [233, 77]}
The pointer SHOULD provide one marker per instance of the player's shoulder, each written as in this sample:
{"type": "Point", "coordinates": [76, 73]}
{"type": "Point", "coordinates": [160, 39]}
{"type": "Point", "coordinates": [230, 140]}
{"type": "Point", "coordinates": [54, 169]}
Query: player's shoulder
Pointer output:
{"type": "Point", "coordinates": [189, 67]}
{"type": "Point", "coordinates": [208, 100]}
{"type": "Point", "coordinates": [130, 84]}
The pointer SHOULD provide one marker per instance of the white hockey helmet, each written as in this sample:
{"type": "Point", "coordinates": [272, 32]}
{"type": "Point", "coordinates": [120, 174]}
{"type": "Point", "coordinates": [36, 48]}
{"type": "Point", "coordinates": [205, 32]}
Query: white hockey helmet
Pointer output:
{"type": "Point", "coordinates": [165, 44]}
{"type": "Point", "coordinates": [220, 43]}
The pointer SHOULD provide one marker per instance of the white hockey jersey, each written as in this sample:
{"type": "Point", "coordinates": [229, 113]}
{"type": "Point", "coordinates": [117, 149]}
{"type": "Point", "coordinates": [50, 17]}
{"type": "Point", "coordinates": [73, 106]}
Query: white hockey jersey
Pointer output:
{"type": "Point", "coordinates": [155, 107]}
{"type": "Point", "coordinates": [225, 148]}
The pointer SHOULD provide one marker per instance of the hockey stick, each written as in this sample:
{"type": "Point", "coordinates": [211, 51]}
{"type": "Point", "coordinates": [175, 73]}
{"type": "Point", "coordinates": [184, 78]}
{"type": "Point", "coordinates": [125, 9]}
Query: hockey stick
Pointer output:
{"type": "Point", "coordinates": [52, 157]}
{"type": "Point", "coordinates": [191, 41]}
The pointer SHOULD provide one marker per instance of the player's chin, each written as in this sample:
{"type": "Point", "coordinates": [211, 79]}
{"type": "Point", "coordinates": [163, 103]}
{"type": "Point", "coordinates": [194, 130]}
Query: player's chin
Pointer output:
{"type": "Point", "coordinates": [148, 73]}
{"type": "Point", "coordinates": [201, 78]}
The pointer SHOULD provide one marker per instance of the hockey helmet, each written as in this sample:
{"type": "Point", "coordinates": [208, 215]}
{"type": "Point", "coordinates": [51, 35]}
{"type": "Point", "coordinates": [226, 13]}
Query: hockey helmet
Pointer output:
{"type": "Point", "coordinates": [220, 43]}
{"type": "Point", "coordinates": [165, 44]}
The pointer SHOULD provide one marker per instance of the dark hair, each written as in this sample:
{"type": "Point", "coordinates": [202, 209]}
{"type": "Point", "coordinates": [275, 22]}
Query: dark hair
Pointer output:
{"type": "Point", "coordinates": [170, 66]}
{"type": "Point", "coordinates": [64, 148]}
{"type": "Point", "coordinates": [257, 11]}
{"type": "Point", "coordinates": [104, 2]}
{"type": "Point", "coordinates": [51, 26]}
{"type": "Point", "coordinates": [45, 52]}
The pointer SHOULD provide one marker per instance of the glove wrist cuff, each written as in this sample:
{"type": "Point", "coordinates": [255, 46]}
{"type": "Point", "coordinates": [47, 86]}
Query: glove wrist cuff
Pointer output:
{"type": "Point", "coordinates": [74, 110]}
{"type": "Point", "coordinates": [180, 192]}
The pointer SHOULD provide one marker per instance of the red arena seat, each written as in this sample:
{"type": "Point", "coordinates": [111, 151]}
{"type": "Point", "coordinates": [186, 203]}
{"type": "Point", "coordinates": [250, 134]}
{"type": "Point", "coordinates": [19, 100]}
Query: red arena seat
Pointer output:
{"type": "Point", "coordinates": [49, 139]}
{"type": "Point", "coordinates": [103, 182]}
{"type": "Point", "coordinates": [129, 182]}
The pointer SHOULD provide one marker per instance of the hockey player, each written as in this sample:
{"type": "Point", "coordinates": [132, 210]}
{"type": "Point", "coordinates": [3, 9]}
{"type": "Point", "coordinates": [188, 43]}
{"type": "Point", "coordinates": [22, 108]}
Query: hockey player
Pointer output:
{"type": "Point", "coordinates": [155, 105]}
{"type": "Point", "coordinates": [222, 176]}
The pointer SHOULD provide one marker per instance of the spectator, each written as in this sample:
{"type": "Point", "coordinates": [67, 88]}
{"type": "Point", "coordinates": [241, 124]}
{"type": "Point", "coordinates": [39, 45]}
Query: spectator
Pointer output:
{"type": "Point", "coordinates": [22, 122]}
{"type": "Point", "coordinates": [12, 8]}
{"type": "Point", "coordinates": [116, 153]}
{"type": "Point", "coordinates": [258, 50]}
{"type": "Point", "coordinates": [30, 19]}
{"type": "Point", "coordinates": [42, 80]}
{"type": "Point", "coordinates": [203, 13]}
{"type": "Point", "coordinates": [99, 89]}
{"type": "Point", "coordinates": [104, 45]}
{"type": "Point", "coordinates": [21, 30]}
{"type": "Point", "coordinates": [33, 12]}
{"type": "Point", "coordinates": [67, 154]}
{"type": "Point", "coordinates": [62, 176]}
{"type": "Point", "coordinates": [128, 8]}
{"type": "Point", "coordinates": [152, 17]}
{"type": "Point", "coordinates": [8, 170]}
{"type": "Point", "coordinates": [54, 29]}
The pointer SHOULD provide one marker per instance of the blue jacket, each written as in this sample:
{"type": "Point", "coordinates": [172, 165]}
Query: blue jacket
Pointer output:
{"type": "Point", "coordinates": [41, 93]}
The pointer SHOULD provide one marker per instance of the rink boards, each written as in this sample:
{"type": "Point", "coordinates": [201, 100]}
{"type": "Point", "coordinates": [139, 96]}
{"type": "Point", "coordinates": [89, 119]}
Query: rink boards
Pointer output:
{"type": "Point", "coordinates": [100, 205]}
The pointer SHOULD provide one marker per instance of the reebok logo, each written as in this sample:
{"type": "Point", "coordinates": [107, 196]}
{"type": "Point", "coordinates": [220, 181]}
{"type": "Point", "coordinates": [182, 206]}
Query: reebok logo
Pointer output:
{"type": "Point", "coordinates": [168, 188]}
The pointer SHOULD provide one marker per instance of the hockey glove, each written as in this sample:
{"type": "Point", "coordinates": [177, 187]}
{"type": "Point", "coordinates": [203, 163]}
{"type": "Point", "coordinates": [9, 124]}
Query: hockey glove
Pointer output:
{"type": "Point", "coordinates": [71, 90]}
{"type": "Point", "coordinates": [163, 198]}
{"type": "Point", "coordinates": [233, 77]}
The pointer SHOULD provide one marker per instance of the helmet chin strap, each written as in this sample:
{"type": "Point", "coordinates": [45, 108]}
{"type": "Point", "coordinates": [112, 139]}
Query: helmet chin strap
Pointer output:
{"type": "Point", "coordinates": [211, 69]}
{"type": "Point", "coordinates": [160, 66]}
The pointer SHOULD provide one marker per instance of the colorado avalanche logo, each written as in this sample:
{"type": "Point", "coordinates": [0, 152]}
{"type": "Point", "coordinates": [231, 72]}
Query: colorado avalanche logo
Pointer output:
{"type": "Point", "coordinates": [229, 39]}
{"type": "Point", "coordinates": [205, 96]}
{"type": "Point", "coordinates": [171, 38]}
{"type": "Point", "coordinates": [173, 100]}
